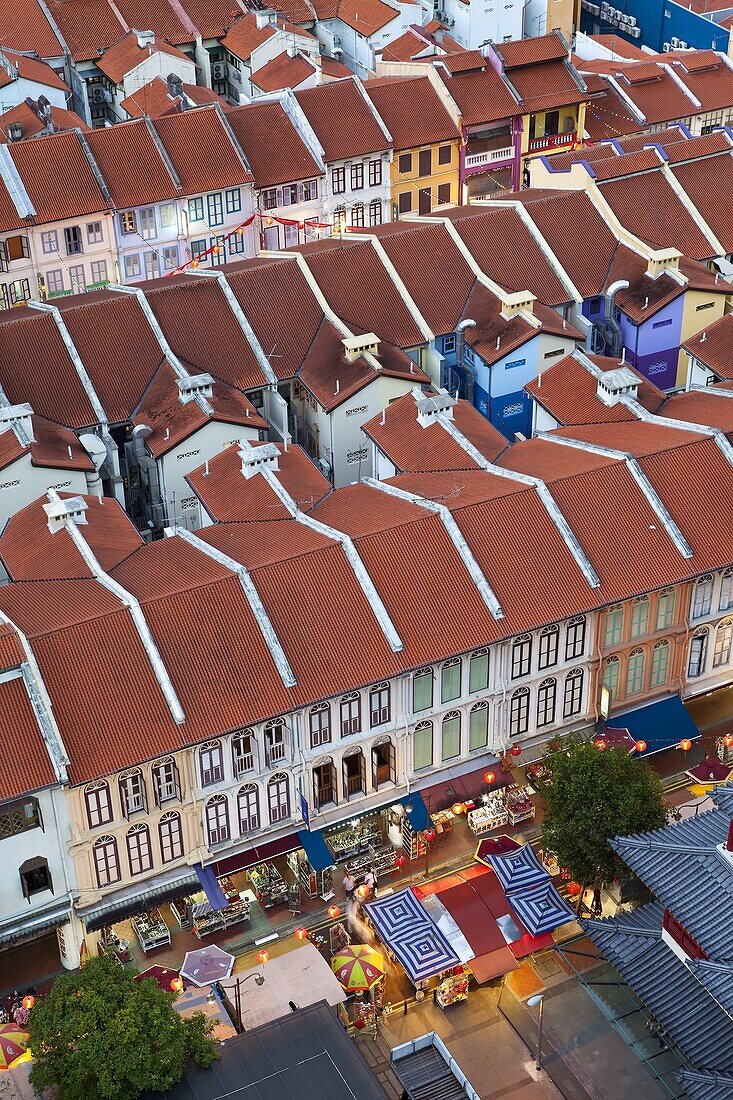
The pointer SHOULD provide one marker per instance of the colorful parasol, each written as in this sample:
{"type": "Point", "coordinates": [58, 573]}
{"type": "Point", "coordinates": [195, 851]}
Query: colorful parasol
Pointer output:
{"type": "Point", "coordinates": [13, 1041]}
{"type": "Point", "coordinates": [358, 967]}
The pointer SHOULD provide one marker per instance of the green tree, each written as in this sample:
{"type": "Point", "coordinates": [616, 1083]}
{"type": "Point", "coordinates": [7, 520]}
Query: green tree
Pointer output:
{"type": "Point", "coordinates": [591, 797]}
{"type": "Point", "coordinates": [100, 1035]}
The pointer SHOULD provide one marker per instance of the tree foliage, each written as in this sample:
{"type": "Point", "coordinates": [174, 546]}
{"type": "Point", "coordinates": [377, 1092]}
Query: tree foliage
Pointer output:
{"type": "Point", "coordinates": [591, 797]}
{"type": "Point", "coordinates": [100, 1035]}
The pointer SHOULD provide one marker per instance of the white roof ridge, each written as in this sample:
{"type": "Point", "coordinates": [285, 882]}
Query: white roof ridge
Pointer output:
{"type": "Point", "coordinates": [81, 371]}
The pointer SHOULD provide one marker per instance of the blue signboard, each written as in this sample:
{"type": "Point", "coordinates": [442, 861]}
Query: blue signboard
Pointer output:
{"type": "Point", "coordinates": [304, 806]}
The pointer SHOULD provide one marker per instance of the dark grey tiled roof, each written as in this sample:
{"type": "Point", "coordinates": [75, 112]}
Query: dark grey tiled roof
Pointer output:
{"type": "Point", "coordinates": [705, 1086]}
{"type": "Point", "coordinates": [684, 869]}
{"type": "Point", "coordinates": [718, 978]}
{"type": "Point", "coordinates": [633, 944]}
{"type": "Point", "coordinates": [723, 798]}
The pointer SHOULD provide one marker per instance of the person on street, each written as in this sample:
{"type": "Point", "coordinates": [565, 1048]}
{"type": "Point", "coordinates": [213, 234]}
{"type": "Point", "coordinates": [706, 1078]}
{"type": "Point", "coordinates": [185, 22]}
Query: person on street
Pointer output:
{"type": "Point", "coordinates": [370, 880]}
{"type": "Point", "coordinates": [349, 886]}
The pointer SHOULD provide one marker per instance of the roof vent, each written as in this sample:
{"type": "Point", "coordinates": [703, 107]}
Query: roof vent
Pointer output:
{"type": "Point", "coordinates": [663, 260]}
{"type": "Point", "coordinates": [193, 385]}
{"type": "Point", "coordinates": [265, 17]}
{"type": "Point", "coordinates": [145, 39]}
{"type": "Point", "coordinates": [14, 130]}
{"type": "Point", "coordinates": [256, 459]}
{"type": "Point", "coordinates": [356, 346]}
{"type": "Point", "coordinates": [430, 405]}
{"type": "Point", "coordinates": [614, 384]}
{"type": "Point", "coordinates": [19, 418]}
{"type": "Point", "coordinates": [512, 303]}
{"type": "Point", "coordinates": [62, 512]}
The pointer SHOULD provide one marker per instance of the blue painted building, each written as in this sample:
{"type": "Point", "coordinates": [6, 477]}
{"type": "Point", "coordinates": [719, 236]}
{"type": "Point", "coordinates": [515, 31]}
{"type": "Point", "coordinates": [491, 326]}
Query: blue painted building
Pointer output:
{"type": "Point", "coordinates": [659, 24]}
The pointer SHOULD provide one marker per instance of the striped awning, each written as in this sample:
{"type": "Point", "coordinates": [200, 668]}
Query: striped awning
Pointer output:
{"type": "Point", "coordinates": [518, 870]}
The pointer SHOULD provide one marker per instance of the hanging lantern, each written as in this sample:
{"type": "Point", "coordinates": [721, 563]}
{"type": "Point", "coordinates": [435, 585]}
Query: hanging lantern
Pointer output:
{"type": "Point", "coordinates": [28, 1002]}
{"type": "Point", "coordinates": [194, 263]}
{"type": "Point", "coordinates": [301, 934]}
{"type": "Point", "coordinates": [240, 231]}
{"type": "Point", "coordinates": [489, 778]}
{"type": "Point", "coordinates": [685, 744]}
{"type": "Point", "coordinates": [600, 744]}
{"type": "Point", "coordinates": [574, 889]}
{"type": "Point", "coordinates": [263, 956]}
{"type": "Point", "coordinates": [176, 985]}
{"type": "Point", "coordinates": [333, 911]}
{"type": "Point", "coordinates": [363, 891]}
{"type": "Point", "coordinates": [429, 835]}
{"type": "Point", "coordinates": [727, 741]}
{"type": "Point", "coordinates": [216, 250]}
{"type": "Point", "coordinates": [301, 225]}
{"type": "Point", "coordinates": [400, 861]}
{"type": "Point", "coordinates": [458, 808]}
{"type": "Point", "coordinates": [515, 750]}
{"type": "Point", "coordinates": [268, 221]}
{"type": "Point", "coordinates": [641, 746]}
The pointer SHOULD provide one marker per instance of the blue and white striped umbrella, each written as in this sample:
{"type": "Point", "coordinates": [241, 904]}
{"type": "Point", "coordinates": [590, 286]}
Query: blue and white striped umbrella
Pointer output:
{"type": "Point", "coordinates": [519, 869]}
{"type": "Point", "coordinates": [541, 909]}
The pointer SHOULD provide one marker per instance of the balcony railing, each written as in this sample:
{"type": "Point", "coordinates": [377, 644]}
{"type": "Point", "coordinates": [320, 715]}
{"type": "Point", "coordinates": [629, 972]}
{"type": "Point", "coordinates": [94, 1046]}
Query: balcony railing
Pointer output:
{"type": "Point", "coordinates": [354, 785]}
{"type": "Point", "coordinates": [489, 156]}
{"type": "Point", "coordinates": [553, 141]}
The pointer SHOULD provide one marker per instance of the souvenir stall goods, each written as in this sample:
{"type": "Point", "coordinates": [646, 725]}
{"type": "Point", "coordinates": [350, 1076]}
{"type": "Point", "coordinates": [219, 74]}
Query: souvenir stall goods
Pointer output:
{"type": "Point", "coordinates": [519, 805]}
{"type": "Point", "coordinates": [270, 888]}
{"type": "Point", "coordinates": [413, 843]}
{"type": "Point", "coordinates": [443, 821]}
{"type": "Point", "coordinates": [491, 815]}
{"type": "Point", "coordinates": [348, 841]}
{"type": "Point", "coordinates": [151, 930]}
{"type": "Point", "coordinates": [206, 920]}
{"type": "Point", "coordinates": [549, 861]}
{"type": "Point", "coordinates": [538, 773]}
{"type": "Point", "coordinates": [314, 884]}
{"type": "Point", "coordinates": [452, 989]}
{"type": "Point", "coordinates": [379, 860]}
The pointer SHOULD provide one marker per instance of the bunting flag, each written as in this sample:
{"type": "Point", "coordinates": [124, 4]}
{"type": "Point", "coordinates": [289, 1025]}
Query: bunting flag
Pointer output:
{"type": "Point", "coordinates": [265, 220]}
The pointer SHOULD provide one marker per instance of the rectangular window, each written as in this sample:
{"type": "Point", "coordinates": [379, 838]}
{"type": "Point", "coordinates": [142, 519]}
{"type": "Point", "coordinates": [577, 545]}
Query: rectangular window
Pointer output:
{"type": "Point", "coordinates": [219, 251]}
{"type": "Point", "coordinates": [35, 877]}
{"type": "Point", "coordinates": [554, 354]}
{"type": "Point", "coordinates": [233, 200]}
{"type": "Point", "coordinates": [94, 232]}
{"type": "Point", "coordinates": [357, 215]}
{"type": "Point", "coordinates": [320, 726]}
{"type": "Point", "coordinates": [72, 240]}
{"type": "Point", "coordinates": [99, 807]}
{"type": "Point", "coordinates": [148, 229]}
{"type": "Point", "coordinates": [614, 626]}
{"type": "Point", "coordinates": [54, 282]}
{"type": "Point", "coordinates": [375, 213]}
{"type": "Point", "coordinates": [128, 221]}
{"type": "Point", "coordinates": [4, 258]}
{"type": "Point", "coordinates": [171, 838]}
{"type": "Point", "coordinates": [404, 202]}
{"type": "Point", "coordinates": [50, 241]}
{"type": "Point", "coordinates": [404, 163]}
{"type": "Point", "coordinates": [196, 210]}
{"type": "Point", "coordinates": [77, 278]}
{"type": "Point", "coordinates": [639, 618]}
{"type": "Point", "coordinates": [132, 794]}
{"type": "Point", "coordinates": [197, 250]}
{"type": "Point", "coordinates": [289, 194]}
{"type": "Point", "coordinates": [726, 591]}
{"type": "Point", "coordinates": [443, 194]}
{"type": "Point", "coordinates": [424, 162]}
{"type": "Point", "coordinates": [350, 714]}
{"type": "Point", "coordinates": [338, 180]}
{"type": "Point", "coordinates": [4, 302]}
{"type": "Point", "coordinates": [519, 713]}
{"type": "Point", "coordinates": [106, 863]}
{"type": "Point", "coordinates": [445, 154]}
{"type": "Point", "coordinates": [552, 123]}
{"type": "Point", "coordinates": [549, 641]}
{"type": "Point", "coordinates": [170, 257]}
{"type": "Point", "coordinates": [521, 656]}
{"type": "Point", "coordinates": [449, 344]}
{"type": "Point", "coordinates": [217, 820]}
{"type": "Point", "coordinates": [703, 600]}
{"type": "Point", "coordinates": [575, 639]}
{"type": "Point", "coordinates": [451, 737]}
{"type": "Point", "coordinates": [478, 671]}
{"type": "Point", "coordinates": [138, 851]}
{"type": "Point", "coordinates": [132, 267]}
{"type": "Point", "coordinates": [19, 291]}
{"type": "Point", "coordinates": [212, 764]}
{"type": "Point", "coordinates": [635, 672]}
{"type": "Point", "coordinates": [478, 728]}
{"type": "Point", "coordinates": [151, 265]}
{"type": "Point", "coordinates": [167, 215]}
{"type": "Point", "coordinates": [660, 664]}
{"type": "Point", "coordinates": [663, 324]}
{"type": "Point", "coordinates": [249, 809]}
{"type": "Point", "coordinates": [19, 816]}
{"type": "Point", "coordinates": [235, 244]}
{"type": "Point", "coordinates": [422, 690]}
{"type": "Point", "coordinates": [573, 694]}
{"type": "Point", "coordinates": [269, 199]}
{"type": "Point", "coordinates": [379, 705]}
{"type": "Point", "coordinates": [357, 177]}
{"type": "Point", "coordinates": [375, 173]}
{"type": "Point", "coordinates": [698, 654]}
{"type": "Point", "coordinates": [291, 235]}
{"type": "Point", "coordinates": [215, 209]}
{"type": "Point", "coordinates": [450, 681]}
{"type": "Point", "coordinates": [546, 703]}
{"type": "Point", "coordinates": [99, 272]}
{"type": "Point", "coordinates": [422, 746]}
{"type": "Point", "coordinates": [308, 191]}
{"type": "Point", "coordinates": [705, 305]}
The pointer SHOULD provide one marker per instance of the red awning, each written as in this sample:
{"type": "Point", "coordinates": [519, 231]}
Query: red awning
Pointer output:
{"type": "Point", "coordinates": [462, 788]}
{"type": "Point", "coordinates": [256, 854]}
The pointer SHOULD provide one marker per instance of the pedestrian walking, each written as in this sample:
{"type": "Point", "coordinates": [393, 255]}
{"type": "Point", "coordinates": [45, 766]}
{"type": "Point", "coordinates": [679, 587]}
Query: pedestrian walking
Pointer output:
{"type": "Point", "coordinates": [370, 881]}
{"type": "Point", "coordinates": [349, 886]}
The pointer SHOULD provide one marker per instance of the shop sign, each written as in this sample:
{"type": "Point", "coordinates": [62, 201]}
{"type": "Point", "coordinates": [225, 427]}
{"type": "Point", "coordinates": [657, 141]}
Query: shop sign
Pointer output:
{"type": "Point", "coordinates": [605, 702]}
{"type": "Point", "coordinates": [304, 808]}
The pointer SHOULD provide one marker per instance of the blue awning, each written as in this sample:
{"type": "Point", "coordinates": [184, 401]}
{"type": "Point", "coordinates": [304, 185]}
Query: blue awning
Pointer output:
{"type": "Point", "coordinates": [315, 847]}
{"type": "Point", "coordinates": [662, 724]}
{"type": "Point", "coordinates": [212, 889]}
{"type": "Point", "coordinates": [416, 810]}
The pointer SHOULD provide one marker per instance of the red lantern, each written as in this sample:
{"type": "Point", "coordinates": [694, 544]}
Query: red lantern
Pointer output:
{"type": "Point", "coordinates": [640, 746]}
{"type": "Point", "coordinates": [515, 750]}
{"type": "Point", "coordinates": [268, 221]}
{"type": "Point", "coordinates": [489, 778]}
{"type": "Point", "coordinates": [216, 250]}
{"type": "Point", "coordinates": [458, 808]}
{"type": "Point", "coordinates": [600, 744]}
{"type": "Point", "coordinates": [400, 861]}
{"type": "Point", "coordinates": [28, 1002]}
{"type": "Point", "coordinates": [301, 225]}
{"type": "Point", "coordinates": [263, 956]}
{"type": "Point", "coordinates": [685, 744]}
{"type": "Point", "coordinates": [333, 911]}
{"type": "Point", "coordinates": [429, 835]}
{"type": "Point", "coordinates": [176, 985]}
{"type": "Point", "coordinates": [194, 263]}
{"type": "Point", "coordinates": [363, 891]}
{"type": "Point", "coordinates": [240, 231]}
{"type": "Point", "coordinates": [301, 934]}
{"type": "Point", "coordinates": [727, 741]}
{"type": "Point", "coordinates": [573, 889]}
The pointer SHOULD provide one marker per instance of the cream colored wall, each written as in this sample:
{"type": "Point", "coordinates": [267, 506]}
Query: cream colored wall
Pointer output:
{"type": "Point", "coordinates": [695, 320]}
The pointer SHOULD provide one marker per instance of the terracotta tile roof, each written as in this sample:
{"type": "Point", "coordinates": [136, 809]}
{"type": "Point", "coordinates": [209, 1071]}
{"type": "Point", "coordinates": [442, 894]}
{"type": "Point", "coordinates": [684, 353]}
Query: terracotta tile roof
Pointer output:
{"type": "Point", "coordinates": [616, 167]}
{"type": "Point", "coordinates": [201, 151]}
{"type": "Point", "coordinates": [245, 36]}
{"type": "Point", "coordinates": [494, 336]}
{"type": "Point", "coordinates": [701, 407]}
{"type": "Point", "coordinates": [61, 120]}
{"type": "Point", "coordinates": [328, 106]}
{"type": "Point", "coordinates": [283, 71]}
{"type": "Point", "coordinates": [554, 324]}
{"type": "Point", "coordinates": [437, 276]}
{"type": "Point", "coordinates": [712, 347]}
{"type": "Point", "coordinates": [219, 347]}
{"type": "Point", "coordinates": [227, 494]}
{"type": "Point", "coordinates": [87, 26]}
{"type": "Point", "coordinates": [29, 344]}
{"type": "Point", "coordinates": [30, 552]}
{"type": "Point", "coordinates": [263, 542]}
{"type": "Point", "coordinates": [126, 54]}
{"type": "Point", "coordinates": [709, 186]}
{"type": "Point", "coordinates": [507, 252]}
{"type": "Point", "coordinates": [11, 651]}
{"type": "Point", "coordinates": [481, 95]}
{"type": "Point", "coordinates": [11, 449]}
{"type": "Point", "coordinates": [58, 177]}
{"type": "Point", "coordinates": [671, 135]}
{"type": "Point", "coordinates": [411, 110]}
{"type": "Point", "coordinates": [133, 169]}
{"type": "Point", "coordinates": [297, 11]}
{"type": "Point", "coordinates": [550, 461]}
{"type": "Point", "coordinates": [635, 436]}
{"type": "Point", "coordinates": [30, 68]}
{"type": "Point", "coordinates": [530, 51]}
{"type": "Point", "coordinates": [41, 607]}
{"type": "Point", "coordinates": [272, 145]}
{"type": "Point", "coordinates": [212, 17]}
{"type": "Point", "coordinates": [9, 217]}
{"type": "Point", "coordinates": [708, 77]}
{"type": "Point", "coordinates": [648, 206]}
{"type": "Point", "coordinates": [334, 70]}
{"type": "Point", "coordinates": [271, 293]}
{"type": "Point", "coordinates": [569, 393]}
{"type": "Point", "coordinates": [654, 92]}
{"type": "Point", "coordinates": [364, 16]}
{"type": "Point", "coordinates": [360, 291]}
{"type": "Point", "coordinates": [705, 145]}
{"type": "Point", "coordinates": [166, 568]}
{"type": "Point", "coordinates": [153, 99]}
{"type": "Point", "coordinates": [406, 47]}
{"type": "Point", "coordinates": [361, 510]}
{"type": "Point", "coordinates": [172, 422]}
{"type": "Point", "coordinates": [57, 447]}
{"type": "Point", "coordinates": [546, 86]}
{"type": "Point", "coordinates": [121, 366]}
{"type": "Point", "coordinates": [411, 447]}
{"type": "Point", "coordinates": [24, 26]}
{"type": "Point", "coordinates": [606, 115]}
{"type": "Point", "coordinates": [26, 766]}
{"type": "Point", "coordinates": [167, 19]}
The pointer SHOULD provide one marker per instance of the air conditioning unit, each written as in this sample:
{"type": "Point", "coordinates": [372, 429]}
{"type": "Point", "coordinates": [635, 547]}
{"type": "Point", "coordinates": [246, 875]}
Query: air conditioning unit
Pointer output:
{"type": "Point", "coordinates": [682, 45]}
{"type": "Point", "coordinates": [219, 71]}
{"type": "Point", "coordinates": [635, 32]}
{"type": "Point", "coordinates": [97, 95]}
{"type": "Point", "coordinates": [336, 40]}
{"type": "Point", "coordinates": [674, 42]}
{"type": "Point", "coordinates": [666, 47]}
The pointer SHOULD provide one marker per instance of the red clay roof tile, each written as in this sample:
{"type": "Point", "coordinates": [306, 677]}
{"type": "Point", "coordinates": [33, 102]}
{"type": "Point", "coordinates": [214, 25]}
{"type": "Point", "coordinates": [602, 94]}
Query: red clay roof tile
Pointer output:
{"type": "Point", "coordinates": [532, 51]}
{"type": "Point", "coordinates": [87, 26]}
{"type": "Point", "coordinates": [201, 150]}
{"type": "Point", "coordinates": [712, 347]}
{"type": "Point", "coordinates": [264, 541]}
{"type": "Point", "coordinates": [283, 71]}
{"type": "Point", "coordinates": [26, 763]}
{"type": "Point", "coordinates": [133, 169]}
{"type": "Point", "coordinates": [58, 177]}
{"type": "Point", "coordinates": [412, 111]}
{"type": "Point", "coordinates": [326, 107]}
{"type": "Point", "coordinates": [272, 145]}
{"type": "Point", "coordinates": [24, 26]}
{"type": "Point", "coordinates": [126, 54]}
{"type": "Point", "coordinates": [649, 207]}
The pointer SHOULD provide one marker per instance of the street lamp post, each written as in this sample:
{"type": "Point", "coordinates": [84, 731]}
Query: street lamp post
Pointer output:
{"type": "Point", "coordinates": [238, 983]}
{"type": "Point", "coordinates": [427, 844]}
{"type": "Point", "coordinates": [538, 999]}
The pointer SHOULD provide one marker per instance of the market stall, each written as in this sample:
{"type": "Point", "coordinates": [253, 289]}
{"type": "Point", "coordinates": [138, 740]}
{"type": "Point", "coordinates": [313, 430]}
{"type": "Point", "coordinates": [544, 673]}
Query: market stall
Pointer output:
{"type": "Point", "coordinates": [151, 930]}
{"type": "Point", "coordinates": [508, 805]}
{"type": "Point", "coordinates": [411, 937]}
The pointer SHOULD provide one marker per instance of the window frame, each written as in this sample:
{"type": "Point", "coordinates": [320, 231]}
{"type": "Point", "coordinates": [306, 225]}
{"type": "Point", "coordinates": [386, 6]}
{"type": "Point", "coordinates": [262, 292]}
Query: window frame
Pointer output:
{"type": "Point", "coordinates": [90, 793]}
{"type": "Point", "coordinates": [662, 646]}
{"type": "Point", "coordinates": [482, 707]}
{"type": "Point", "coordinates": [350, 713]}
{"type": "Point", "coordinates": [106, 845]}
{"type": "Point", "coordinates": [478, 655]}
{"type": "Point", "coordinates": [214, 769]}
{"type": "Point", "coordinates": [640, 615]}
{"type": "Point", "coordinates": [248, 796]}
{"type": "Point", "coordinates": [549, 647]}
{"type": "Point", "coordinates": [419, 675]}
{"type": "Point", "coordinates": [575, 638]}
{"type": "Point", "coordinates": [447, 674]}
{"type": "Point", "coordinates": [278, 808]}
{"type": "Point", "coordinates": [319, 725]}
{"type": "Point", "coordinates": [521, 661]}
{"type": "Point", "coordinates": [216, 816]}
{"type": "Point", "coordinates": [139, 853]}
{"type": "Point", "coordinates": [702, 596]}
{"type": "Point", "coordinates": [519, 712]}
{"type": "Point", "coordinates": [635, 671]}
{"type": "Point", "coordinates": [613, 625]}
{"type": "Point", "coordinates": [573, 693]}
{"type": "Point", "coordinates": [380, 714]}
{"type": "Point", "coordinates": [169, 839]}
{"type": "Point", "coordinates": [454, 718]}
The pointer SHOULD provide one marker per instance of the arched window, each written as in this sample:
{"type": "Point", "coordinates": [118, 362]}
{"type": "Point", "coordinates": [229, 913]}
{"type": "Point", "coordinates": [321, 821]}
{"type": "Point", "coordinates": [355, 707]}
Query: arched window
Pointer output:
{"type": "Point", "coordinates": [276, 744]}
{"type": "Point", "coordinates": [639, 617]}
{"type": "Point", "coordinates": [450, 680]}
{"type": "Point", "coordinates": [243, 752]}
{"type": "Point", "coordinates": [635, 671]}
{"type": "Point", "coordinates": [384, 765]}
{"type": "Point", "coordinates": [521, 656]}
{"type": "Point", "coordinates": [723, 642]}
{"type": "Point", "coordinates": [549, 642]}
{"type": "Point", "coordinates": [422, 690]}
{"type": "Point", "coordinates": [698, 652]}
{"type": "Point", "coordinates": [379, 704]}
{"type": "Point", "coordinates": [353, 766]}
{"type": "Point", "coordinates": [98, 804]}
{"type": "Point", "coordinates": [422, 746]}
{"type": "Point", "coordinates": [613, 628]}
{"type": "Point", "coordinates": [546, 695]}
{"type": "Point", "coordinates": [660, 664]}
{"type": "Point", "coordinates": [519, 712]}
{"type": "Point", "coordinates": [451, 735]}
{"type": "Point", "coordinates": [702, 598]}
{"type": "Point", "coordinates": [248, 808]}
{"type": "Point", "coordinates": [726, 590]}
{"type": "Point", "coordinates": [611, 674]}
{"type": "Point", "coordinates": [217, 819]}
{"type": "Point", "coordinates": [139, 851]}
{"type": "Point", "coordinates": [166, 781]}
{"type": "Point", "coordinates": [170, 835]}
{"type": "Point", "coordinates": [320, 725]}
{"type": "Point", "coordinates": [351, 714]}
{"type": "Point", "coordinates": [278, 797]}
{"type": "Point", "coordinates": [572, 701]}
{"type": "Point", "coordinates": [478, 670]}
{"type": "Point", "coordinates": [132, 793]}
{"type": "Point", "coordinates": [106, 861]}
{"type": "Point", "coordinates": [324, 783]}
{"type": "Point", "coordinates": [478, 726]}
{"type": "Point", "coordinates": [575, 638]}
{"type": "Point", "coordinates": [212, 763]}
{"type": "Point", "coordinates": [665, 608]}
